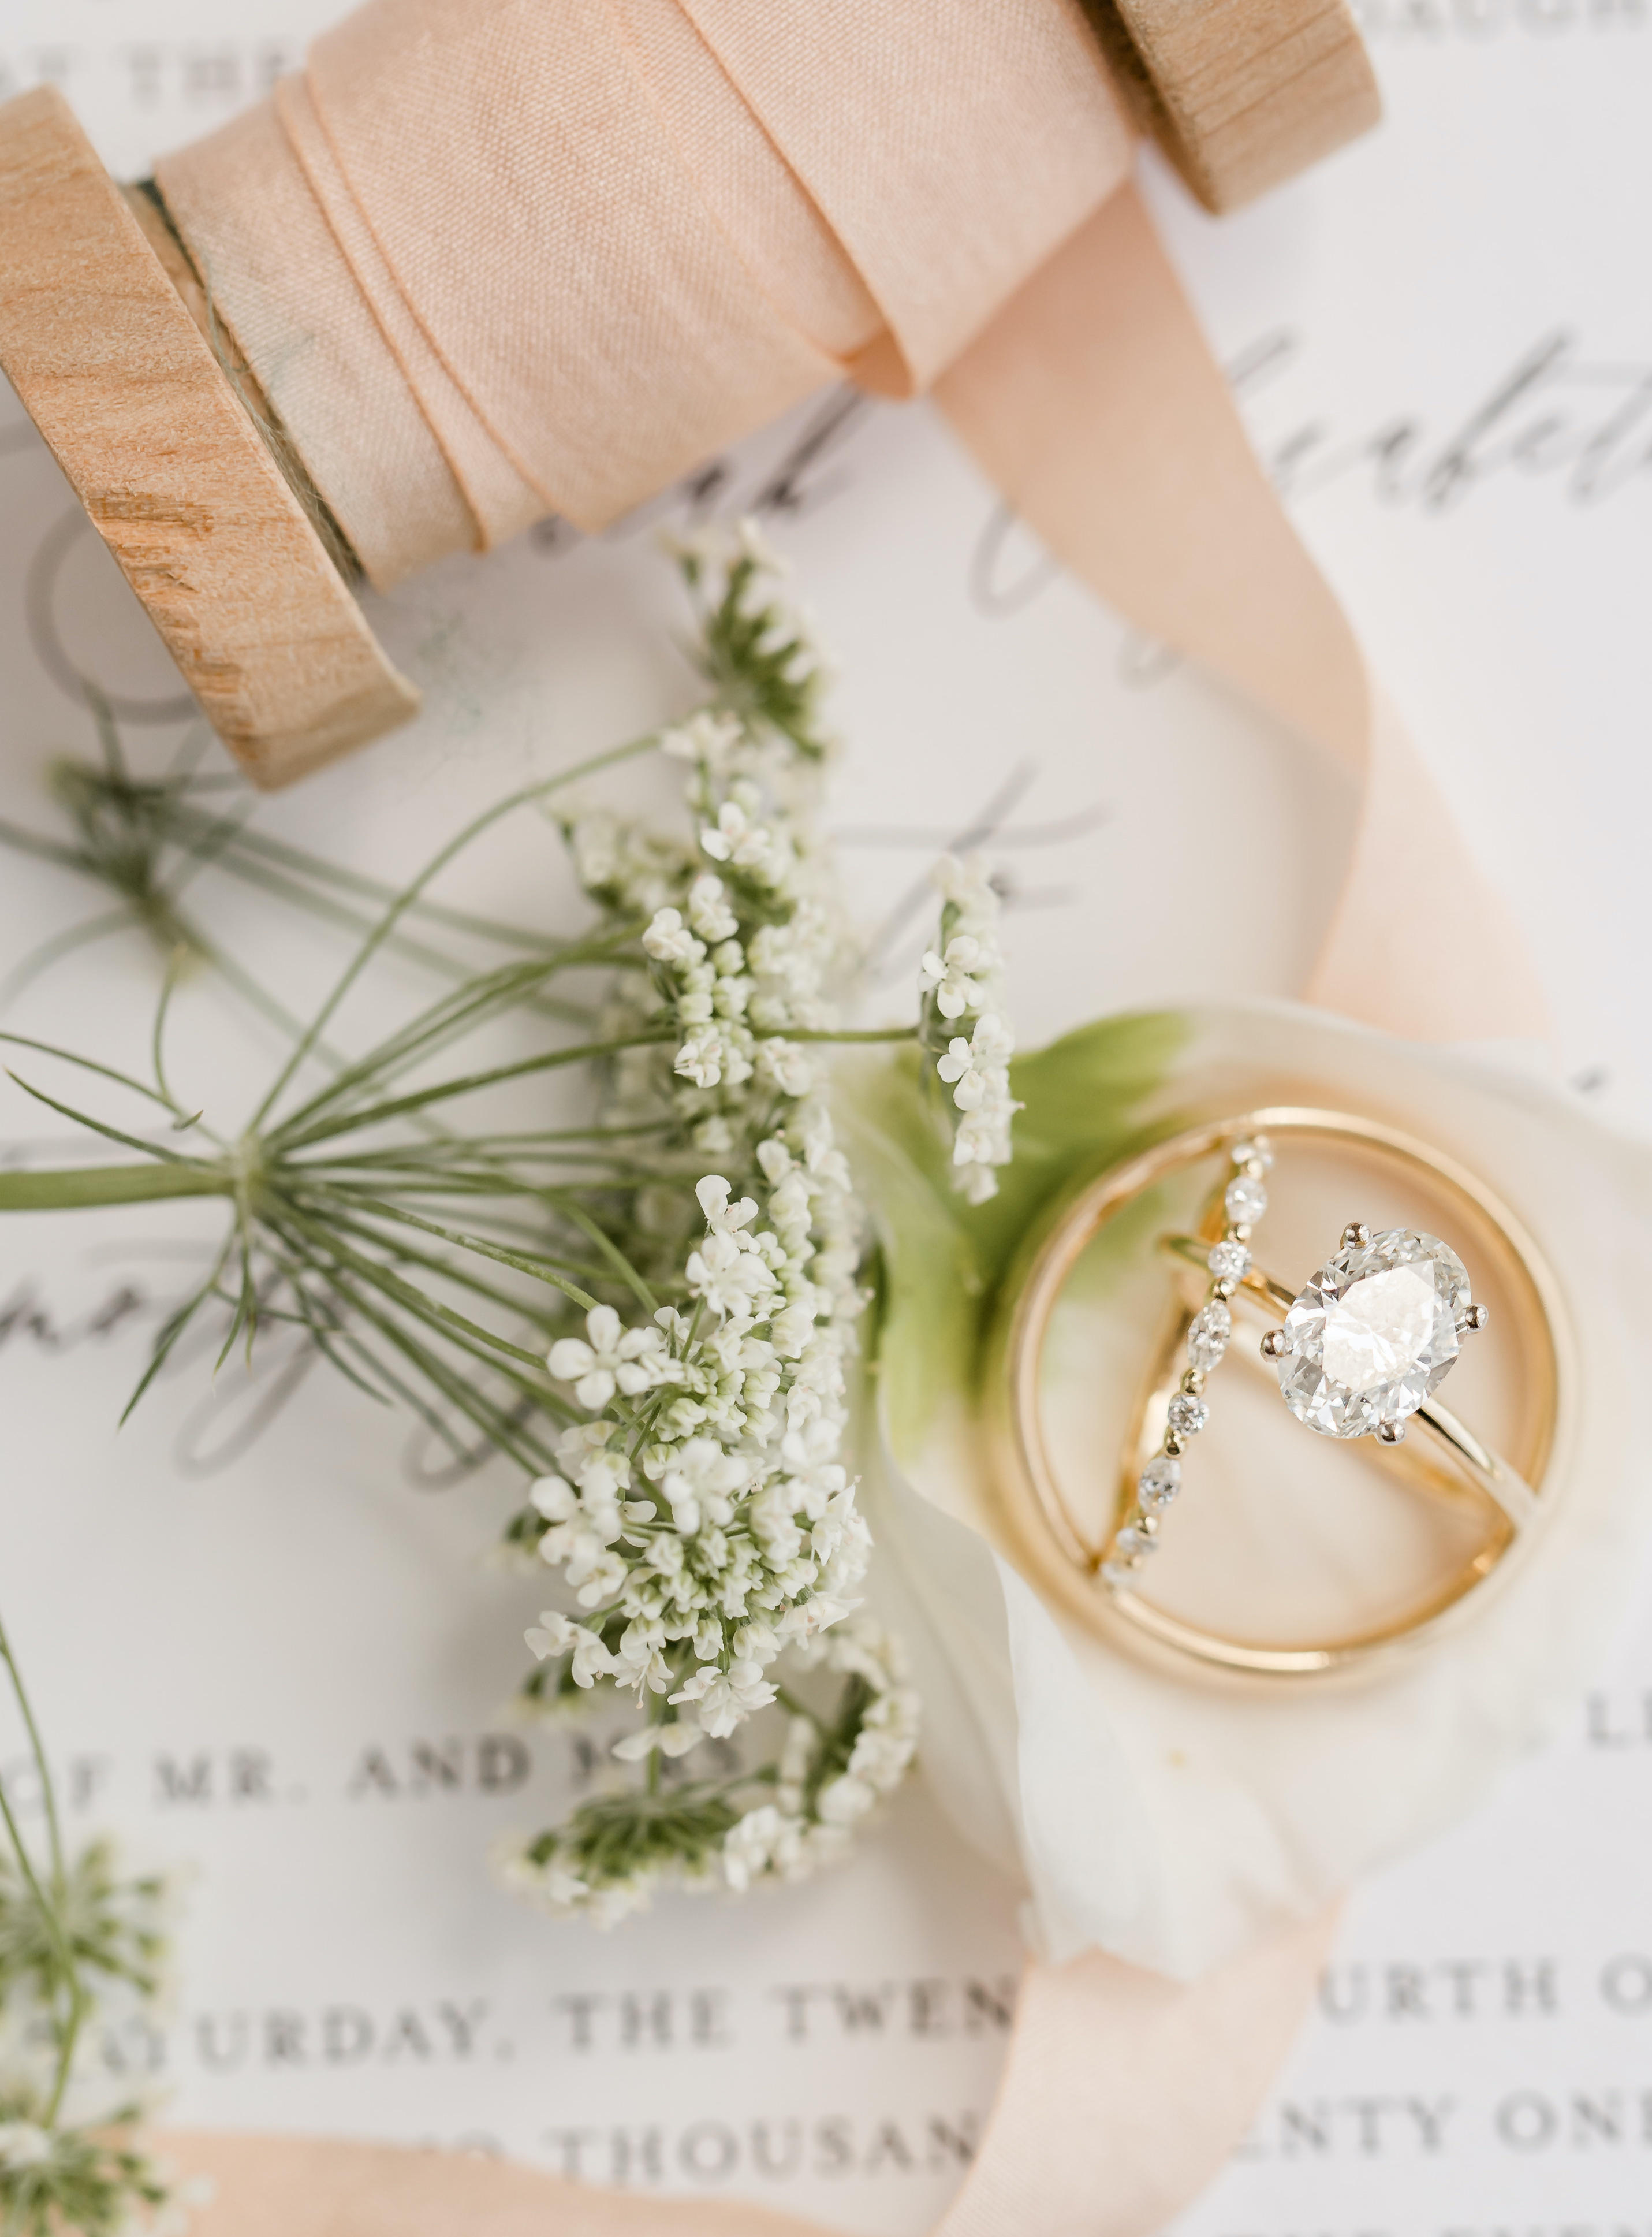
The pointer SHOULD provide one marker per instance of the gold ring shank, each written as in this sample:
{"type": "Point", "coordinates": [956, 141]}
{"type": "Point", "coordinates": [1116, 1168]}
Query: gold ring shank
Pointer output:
{"type": "Point", "coordinates": [1449, 1461]}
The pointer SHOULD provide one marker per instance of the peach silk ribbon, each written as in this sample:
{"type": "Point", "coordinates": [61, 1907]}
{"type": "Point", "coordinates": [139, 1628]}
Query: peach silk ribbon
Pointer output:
{"type": "Point", "coordinates": [492, 259]}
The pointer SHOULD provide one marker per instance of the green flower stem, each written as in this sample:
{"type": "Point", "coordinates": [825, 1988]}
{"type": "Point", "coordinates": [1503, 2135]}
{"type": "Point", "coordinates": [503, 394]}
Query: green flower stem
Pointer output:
{"type": "Point", "coordinates": [455, 1014]}
{"type": "Point", "coordinates": [378, 1114]}
{"type": "Point", "coordinates": [242, 842]}
{"type": "Point", "coordinates": [49, 1907]}
{"type": "Point", "coordinates": [839, 1034]}
{"type": "Point", "coordinates": [76, 1187]}
{"type": "Point", "coordinates": [539, 1267]}
{"type": "Point", "coordinates": [414, 892]}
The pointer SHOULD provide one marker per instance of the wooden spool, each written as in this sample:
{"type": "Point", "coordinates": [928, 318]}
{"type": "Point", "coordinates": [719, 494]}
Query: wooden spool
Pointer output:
{"type": "Point", "coordinates": [1241, 95]}
{"type": "Point", "coordinates": [104, 334]}
{"type": "Point", "coordinates": [110, 364]}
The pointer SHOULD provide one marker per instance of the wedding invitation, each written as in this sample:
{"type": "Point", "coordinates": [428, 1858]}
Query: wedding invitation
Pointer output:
{"type": "Point", "coordinates": [265, 1637]}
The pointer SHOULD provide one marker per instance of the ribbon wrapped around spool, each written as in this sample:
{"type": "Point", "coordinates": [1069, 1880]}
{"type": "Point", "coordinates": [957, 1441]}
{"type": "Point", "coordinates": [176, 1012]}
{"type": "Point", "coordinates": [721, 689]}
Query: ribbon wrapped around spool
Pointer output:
{"type": "Point", "coordinates": [484, 262]}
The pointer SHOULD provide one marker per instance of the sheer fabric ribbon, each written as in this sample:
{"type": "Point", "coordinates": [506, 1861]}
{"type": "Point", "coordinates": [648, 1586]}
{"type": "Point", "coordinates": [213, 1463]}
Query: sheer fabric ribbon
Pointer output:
{"type": "Point", "coordinates": [492, 258]}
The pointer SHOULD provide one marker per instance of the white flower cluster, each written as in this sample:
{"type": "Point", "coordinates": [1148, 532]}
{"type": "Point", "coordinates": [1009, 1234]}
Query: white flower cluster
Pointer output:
{"type": "Point", "coordinates": [816, 1805]}
{"type": "Point", "coordinates": [703, 1518]}
{"type": "Point", "coordinates": [705, 1507]}
{"type": "Point", "coordinates": [64, 2160]}
{"type": "Point", "coordinates": [960, 984]}
{"type": "Point", "coordinates": [824, 1782]}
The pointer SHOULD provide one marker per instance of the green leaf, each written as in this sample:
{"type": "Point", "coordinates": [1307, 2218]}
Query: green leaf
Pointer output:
{"type": "Point", "coordinates": [946, 1260]}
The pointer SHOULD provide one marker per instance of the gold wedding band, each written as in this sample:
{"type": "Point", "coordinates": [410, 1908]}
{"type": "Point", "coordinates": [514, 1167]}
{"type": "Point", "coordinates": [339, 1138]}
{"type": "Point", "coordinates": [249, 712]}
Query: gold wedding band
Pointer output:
{"type": "Point", "coordinates": [1511, 1490]}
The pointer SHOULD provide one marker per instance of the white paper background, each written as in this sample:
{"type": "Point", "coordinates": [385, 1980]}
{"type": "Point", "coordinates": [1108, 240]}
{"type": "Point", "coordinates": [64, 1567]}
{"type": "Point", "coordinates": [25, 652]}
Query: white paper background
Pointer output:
{"type": "Point", "coordinates": [302, 1623]}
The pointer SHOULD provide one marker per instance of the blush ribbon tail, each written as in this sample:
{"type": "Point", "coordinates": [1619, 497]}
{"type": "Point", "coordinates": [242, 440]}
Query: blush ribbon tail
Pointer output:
{"type": "Point", "coordinates": [1122, 2095]}
{"type": "Point", "coordinates": [1094, 403]}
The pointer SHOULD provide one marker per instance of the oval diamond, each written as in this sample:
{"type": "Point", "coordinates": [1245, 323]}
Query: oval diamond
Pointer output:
{"type": "Point", "coordinates": [1372, 1333]}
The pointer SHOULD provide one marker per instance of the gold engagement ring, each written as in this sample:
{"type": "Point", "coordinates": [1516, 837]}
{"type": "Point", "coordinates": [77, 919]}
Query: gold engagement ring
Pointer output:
{"type": "Point", "coordinates": [1360, 1351]}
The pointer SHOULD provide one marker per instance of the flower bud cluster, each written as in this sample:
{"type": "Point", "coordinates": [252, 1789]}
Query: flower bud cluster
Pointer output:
{"type": "Point", "coordinates": [825, 1779]}
{"type": "Point", "coordinates": [822, 1792]}
{"type": "Point", "coordinates": [63, 2163]}
{"type": "Point", "coordinates": [960, 985]}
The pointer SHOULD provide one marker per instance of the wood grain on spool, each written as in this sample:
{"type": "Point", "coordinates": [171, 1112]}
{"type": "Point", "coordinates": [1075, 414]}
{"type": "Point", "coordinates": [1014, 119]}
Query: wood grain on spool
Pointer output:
{"type": "Point", "coordinates": [112, 369]}
{"type": "Point", "coordinates": [1241, 95]}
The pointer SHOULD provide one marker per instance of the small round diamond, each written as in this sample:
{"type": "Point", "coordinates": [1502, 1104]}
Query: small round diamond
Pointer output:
{"type": "Point", "coordinates": [1207, 1336]}
{"type": "Point", "coordinates": [1246, 1199]}
{"type": "Point", "coordinates": [1258, 1151]}
{"type": "Point", "coordinates": [1158, 1483]}
{"type": "Point", "coordinates": [1188, 1416]}
{"type": "Point", "coordinates": [1132, 1544]}
{"type": "Point", "coordinates": [1372, 1333]}
{"type": "Point", "coordinates": [1229, 1261]}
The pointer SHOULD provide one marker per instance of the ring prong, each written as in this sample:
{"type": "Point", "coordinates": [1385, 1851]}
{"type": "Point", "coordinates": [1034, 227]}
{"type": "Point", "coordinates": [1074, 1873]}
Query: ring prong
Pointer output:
{"type": "Point", "coordinates": [1275, 1344]}
{"type": "Point", "coordinates": [1391, 1433]}
{"type": "Point", "coordinates": [1475, 1319]}
{"type": "Point", "coordinates": [1355, 1235]}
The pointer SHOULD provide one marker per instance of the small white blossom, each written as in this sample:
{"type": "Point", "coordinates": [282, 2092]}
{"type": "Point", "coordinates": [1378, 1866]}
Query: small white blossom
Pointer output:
{"type": "Point", "coordinates": [958, 1068]}
{"type": "Point", "coordinates": [555, 1634]}
{"type": "Point", "coordinates": [23, 2144]}
{"type": "Point", "coordinates": [708, 910]}
{"type": "Point", "coordinates": [702, 1057]}
{"type": "Point", "coordinates": [841, 1801]}
{"type": "Point", "coordinates": [613, 1357]}
{"type": "Point", "coordinates": [756, 547]}
{"type": "Point", "coordinates": [706, 737]}
{"type": "Point", "coordinates": [724, 1215]}
{"type": "Point", "coordinates": [992, 1044]}
{"type": "Point", "coordinates": [669, 939]}
{"type": "Point", "coordinates": [948, 975]}
{"type": "Point", "coordinates": [701, 1483]}
{"type": "Point", "coordinates": [557, 1501]}
{"type": "Point", "coordinates": [793, 1069]}
{"type": "Point", "coordinates": [599, 1572]}
{"type": "Point", "coordinates": [726, 1698]}
{"type": "Point", "coordinates": [671, 1740]}
{"type": "Point", "coordinates": [731, 1281]}
{"type": "Point", "coordinates": [966, 886]}
{"type": "Point", "coordinates": [749, 1847]}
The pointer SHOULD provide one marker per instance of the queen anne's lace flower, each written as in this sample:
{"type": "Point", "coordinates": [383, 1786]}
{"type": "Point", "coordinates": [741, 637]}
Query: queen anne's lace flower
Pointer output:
{"type": "Point", "coordinates": [705, 1521]}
